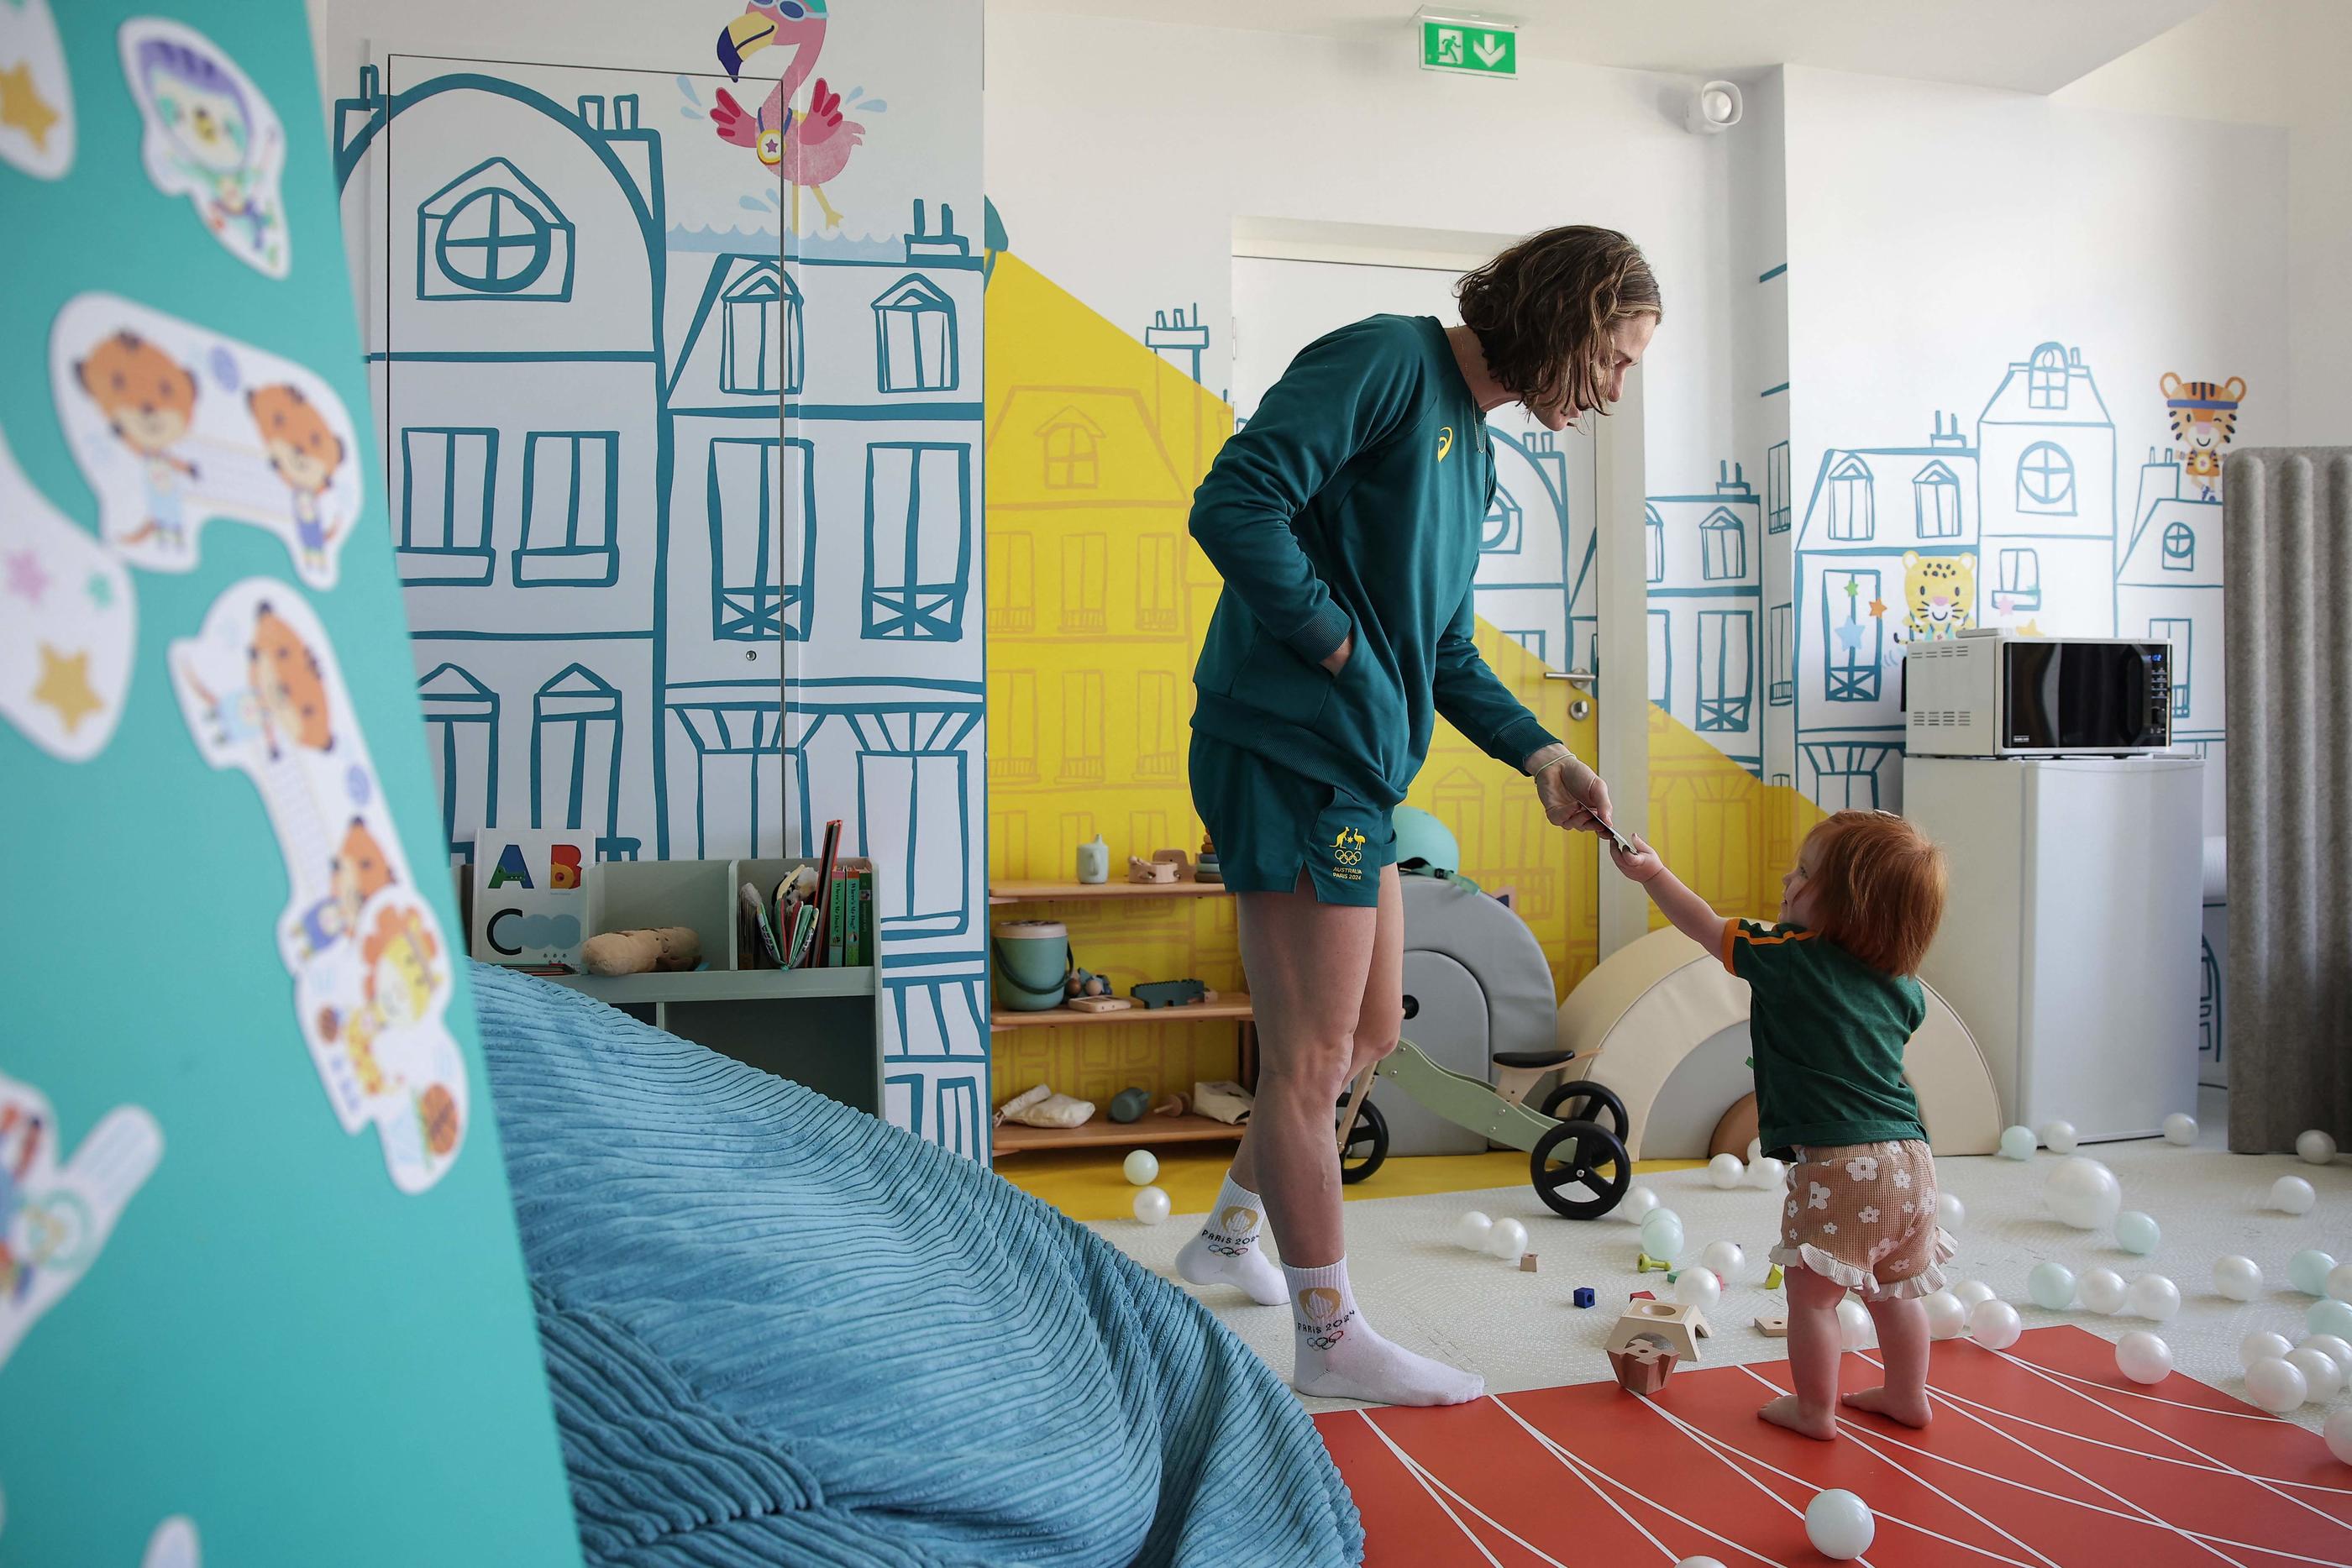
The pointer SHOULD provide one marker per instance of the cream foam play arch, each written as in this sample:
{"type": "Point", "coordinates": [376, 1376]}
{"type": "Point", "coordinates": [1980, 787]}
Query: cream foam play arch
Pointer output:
{"type": "Point", "coordinates": [1662, 1023]}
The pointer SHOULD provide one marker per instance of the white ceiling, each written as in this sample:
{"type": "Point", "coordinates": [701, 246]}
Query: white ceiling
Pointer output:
{"type": "Point", "coordinates": [2031, 45]}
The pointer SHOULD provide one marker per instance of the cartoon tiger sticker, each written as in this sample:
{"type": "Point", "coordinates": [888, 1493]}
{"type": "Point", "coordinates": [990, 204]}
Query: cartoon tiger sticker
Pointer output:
{"type": "Point", "coordinates": [261, 692]}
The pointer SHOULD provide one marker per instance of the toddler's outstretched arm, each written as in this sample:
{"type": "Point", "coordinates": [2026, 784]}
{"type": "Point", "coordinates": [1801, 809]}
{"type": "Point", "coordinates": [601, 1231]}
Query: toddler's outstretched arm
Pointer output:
{"type": "Point", "coordinates": [1692, 915]}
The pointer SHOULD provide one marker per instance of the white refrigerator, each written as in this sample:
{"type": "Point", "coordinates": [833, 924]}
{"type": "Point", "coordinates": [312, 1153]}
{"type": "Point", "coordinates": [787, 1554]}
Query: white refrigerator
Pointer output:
{"type": "Point", "coordinates": [2069, 945]}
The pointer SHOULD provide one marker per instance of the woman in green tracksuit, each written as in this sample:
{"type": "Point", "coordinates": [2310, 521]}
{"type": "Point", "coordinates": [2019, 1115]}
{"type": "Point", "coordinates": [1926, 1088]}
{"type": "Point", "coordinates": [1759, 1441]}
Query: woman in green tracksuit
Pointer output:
{"type": "Point", "coordinates": [1345, 519]}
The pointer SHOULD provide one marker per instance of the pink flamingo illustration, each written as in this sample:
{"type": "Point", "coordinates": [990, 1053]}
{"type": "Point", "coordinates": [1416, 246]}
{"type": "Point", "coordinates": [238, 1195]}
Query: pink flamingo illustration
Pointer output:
{"type": "Point", "coordinates": [805, 147]}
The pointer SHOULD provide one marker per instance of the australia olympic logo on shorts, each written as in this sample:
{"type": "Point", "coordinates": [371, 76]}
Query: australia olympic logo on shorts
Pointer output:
{"type": "Point", "coordinates": [1348, 848]}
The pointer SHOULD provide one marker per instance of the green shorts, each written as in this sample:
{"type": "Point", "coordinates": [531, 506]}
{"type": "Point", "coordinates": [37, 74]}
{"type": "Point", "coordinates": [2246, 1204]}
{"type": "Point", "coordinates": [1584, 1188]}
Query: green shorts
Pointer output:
{"type": "Point", "coordinates": [1268, 824]}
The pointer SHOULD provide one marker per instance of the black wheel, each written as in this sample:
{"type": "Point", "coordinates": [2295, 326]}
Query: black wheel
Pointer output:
{"type": "Point", "coordinates": [1368, 1143]}
{"type": "Point", "coordinates": [1581, 1169]}
{"type": "Point", "coordinates": [1581, 1100]}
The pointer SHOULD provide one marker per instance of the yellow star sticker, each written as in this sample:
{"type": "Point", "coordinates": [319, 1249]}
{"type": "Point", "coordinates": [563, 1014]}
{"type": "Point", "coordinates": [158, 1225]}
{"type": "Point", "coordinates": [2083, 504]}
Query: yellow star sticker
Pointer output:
{"type": "Point", "coordinates": [1878, 608]}
{"type": "Point", "coordinates": [22, 106]}
{"type": "Point", "coordinates": [2030, 628]}
{"type": "Point", "coordinates": [65, 686]}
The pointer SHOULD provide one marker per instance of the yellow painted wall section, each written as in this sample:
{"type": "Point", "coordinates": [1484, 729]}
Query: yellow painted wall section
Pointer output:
{"type": "Point", "coordinates": [1097, 604]}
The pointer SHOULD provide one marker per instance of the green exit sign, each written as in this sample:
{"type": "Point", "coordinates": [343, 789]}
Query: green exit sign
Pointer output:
{"type": "Point", "coordinates": [1469, 44]}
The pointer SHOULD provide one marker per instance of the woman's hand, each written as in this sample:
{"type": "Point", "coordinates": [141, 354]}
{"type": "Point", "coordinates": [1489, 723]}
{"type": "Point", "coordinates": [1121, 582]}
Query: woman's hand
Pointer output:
{"type": "Point", "coordinates": [1641, 864]}
{"type": "Point", "coordinates": [1573, 795]}
{"type": "Point", "coordinates": [1336, 659]}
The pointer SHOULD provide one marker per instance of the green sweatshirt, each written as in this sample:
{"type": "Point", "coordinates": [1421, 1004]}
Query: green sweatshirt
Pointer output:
{"type": "Point", "coordinates": [1352, 503]}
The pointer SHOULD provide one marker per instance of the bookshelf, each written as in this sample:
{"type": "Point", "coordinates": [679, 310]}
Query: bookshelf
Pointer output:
{"type": "Point", "coordinates": [1100, 1131]}
{"type": "Point", "coordinates": [819, 1028]}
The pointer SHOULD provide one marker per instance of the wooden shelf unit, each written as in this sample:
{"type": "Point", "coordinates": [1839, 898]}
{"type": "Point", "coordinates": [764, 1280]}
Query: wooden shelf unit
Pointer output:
{"type": "Point", "coordinates": [1014, 1138]}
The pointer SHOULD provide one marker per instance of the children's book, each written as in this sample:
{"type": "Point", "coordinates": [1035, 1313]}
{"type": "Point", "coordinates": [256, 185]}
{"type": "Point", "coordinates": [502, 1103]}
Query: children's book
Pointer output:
{"type": "Point", "coordinates": [758, 938]}
{"type": "Point", "coordinates": [803, 935]}
{"type": "Point", "coordinates": [822, 948]}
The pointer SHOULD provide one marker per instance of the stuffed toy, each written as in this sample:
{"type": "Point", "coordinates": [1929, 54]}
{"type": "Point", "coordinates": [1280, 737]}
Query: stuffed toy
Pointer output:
{"type": "Point", "coordinates": [639, 952]}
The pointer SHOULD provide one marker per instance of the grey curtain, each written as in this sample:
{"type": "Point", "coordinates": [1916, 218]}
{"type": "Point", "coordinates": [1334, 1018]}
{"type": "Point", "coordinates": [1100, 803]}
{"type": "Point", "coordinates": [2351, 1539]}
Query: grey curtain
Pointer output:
{"type": "Point", "coordinates": [2286, 522]}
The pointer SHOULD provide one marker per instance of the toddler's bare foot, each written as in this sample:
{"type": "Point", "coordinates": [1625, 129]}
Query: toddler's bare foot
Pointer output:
{"type": "Point", "coordinates": [1786, 1412]}
{"type": "Point", "coordinates": [1911, 1409]}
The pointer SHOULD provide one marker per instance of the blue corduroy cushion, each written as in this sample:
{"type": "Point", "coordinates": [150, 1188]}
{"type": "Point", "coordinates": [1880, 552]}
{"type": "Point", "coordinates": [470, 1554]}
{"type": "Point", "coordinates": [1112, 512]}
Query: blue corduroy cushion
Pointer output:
{"type": "Point", "coordinates": [779, 1331]}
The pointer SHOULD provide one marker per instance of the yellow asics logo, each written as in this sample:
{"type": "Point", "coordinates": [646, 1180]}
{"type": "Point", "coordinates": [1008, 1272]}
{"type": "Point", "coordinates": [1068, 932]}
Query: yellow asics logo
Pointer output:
{"type": "Point", "coordinates": [1444, 442]}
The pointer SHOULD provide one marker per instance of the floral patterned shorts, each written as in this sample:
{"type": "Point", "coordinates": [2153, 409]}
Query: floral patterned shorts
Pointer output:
{"type": "Point", "coordinates": [1864, 1216]}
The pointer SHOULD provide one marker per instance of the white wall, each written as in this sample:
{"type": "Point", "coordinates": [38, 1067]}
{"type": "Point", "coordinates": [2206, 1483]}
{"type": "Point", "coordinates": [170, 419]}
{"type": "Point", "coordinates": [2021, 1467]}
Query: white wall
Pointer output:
{"type": "Point", "coordinates": [1119, 154]}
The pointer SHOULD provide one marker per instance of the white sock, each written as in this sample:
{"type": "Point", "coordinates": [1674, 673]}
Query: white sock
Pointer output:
{"type": "Point", "coordinates": [1339, 1357]}
{"type": "Point", "coordinates": [1228, 1251]}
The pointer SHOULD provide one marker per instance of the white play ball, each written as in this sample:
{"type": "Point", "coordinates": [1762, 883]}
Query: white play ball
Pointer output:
{"type": "Point", "coordinates": [2143, 1357]}
{"type": "Point", "coordinates": [2321, 1375]}
{"type": "Point", "coordinates": [2137, 1233]}
{"type": "Point", "coordinates": [1767, 1174]}
{"type": "Point", "coordinates": [1473, 1230]}
{"type": "Point", "coordinates": [1950, 1212]}
{"type": "Point", "coordinates": [2262, 1345]}
{"type": "Point", "coordinates": [2329, 1317]}
{"type": "Point", "coordinates": [2328, 1345]}
{"type": "Point", "coordinates": [2153, 1297]}
{"type": "Point", "coordinates": [1725, 1171]}
{"type": "Point", "coordinates": [2101, 1290]}
{"type": "Point", "coordinates": [1151, 1204]}
{"type": "Point", "coordinates": [2180, 1128]}
{"type": "Point", "coordinates": [2051, 1285]}
{"type": "Point", "coordinates": [1724, 1256]}
{"type": "Point", "coordinates": [1507, 1239]}
{"type": "Point", "coordinates": [2339, 1282]}
{"type": "Point", "coordinates": [1947, 1319]}
{"type": "Point", "coordinates": [1972, 1293]}
{"type": "Point", "coordinates": [2315, 1147]}
{"type": "Point", "coordinates": [1142, 1167]}
{"type": "Point", "coordinates": [2084, 1194]}
{"type": "Point", "coordinates": [2338, 1433]}
{"type": "Point", "coordinates": [1855, 1328]}
{"type": "Point", "coordinates": [1700, 1563]}
{"type": "Point", "coordinates": [1636, 1204]}
{"type": "Point", "coordinates": [1755, 1150]}
{"type": "Point", "coordinates": [2237, 1278]}
{"type": "Point", "coordinates": [2060, 1138]}
{"type": "Point", "coordinates": [1995, 1325]}
{"type": "Point", "coordinates": [2016, 1143]}
{"type": "Point", "coordinates": [2308, 1269]}
{"type": "Point", "coordinates": [2291, 1194]}
{"type": "Point", "coordinates": [1840, 1525]}
{"type": "Point", "coordinates": [1662, 1233]}
{"type": "Point", "coordinates": [2276, 1385]}
{"type": "Point", "coordinates": [1700, 1288]}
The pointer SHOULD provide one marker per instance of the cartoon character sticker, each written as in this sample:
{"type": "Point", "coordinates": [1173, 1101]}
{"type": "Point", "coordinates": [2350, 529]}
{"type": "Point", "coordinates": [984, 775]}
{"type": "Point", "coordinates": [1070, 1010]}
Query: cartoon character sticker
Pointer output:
{"type": "Point", "coordinates": [68, 622]}
{"type": "Point", "coordinates": [56, 1215]}
{"type": "Point", "coordinates": [261, 692]}
{"type": "Point", "coordinates": [174, 426]}
{"type": "Point", "coordinates": [37, 112]}
{"type": "Point", "coordinates": [210, 137]}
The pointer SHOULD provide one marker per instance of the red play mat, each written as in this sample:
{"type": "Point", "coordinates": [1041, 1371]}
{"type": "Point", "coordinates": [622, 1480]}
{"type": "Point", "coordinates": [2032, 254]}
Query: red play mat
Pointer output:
{"type": "Point", "coordinates": [2040, 1457]}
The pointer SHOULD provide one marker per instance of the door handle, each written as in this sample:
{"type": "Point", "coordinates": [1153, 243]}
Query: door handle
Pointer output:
{"type": "Point", "coordinates": [1574, 677]}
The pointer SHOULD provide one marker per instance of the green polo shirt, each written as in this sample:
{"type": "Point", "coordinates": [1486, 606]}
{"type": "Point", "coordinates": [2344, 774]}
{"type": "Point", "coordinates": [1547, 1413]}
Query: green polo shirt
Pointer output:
{"type": "Point", "coordinates": [1352, 504]}
{"type": "Point", "coordinates": [1829, 1032]}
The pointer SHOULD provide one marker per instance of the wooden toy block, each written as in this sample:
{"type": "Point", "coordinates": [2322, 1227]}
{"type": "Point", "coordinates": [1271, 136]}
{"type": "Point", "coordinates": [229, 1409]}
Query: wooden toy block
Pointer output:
{"type": "Point", "coordinates": [1098, 1004]}
{"type": "Point", "coordinates": [1526, 1262]}
{"type": "Point", "coordinates": [1583, 1297]}
{"type": "Point", "coordinates": [1141, 870]}
{"type": "Point", "coordinates": [1675, 1325]}
{"type": "Point", "coordinates": [1176, 857]}
{"type": "Point", "coordinates": [1644, 1365]}
{"type": "Point", "coordinates": [1772, 1280]}
{"type": "Point", "coordinates": [1772, 1326]}
{"type": "Point", "coordinates": [1645, 1264]}
{"type": "Point", "coordinates": [1640, 1296]}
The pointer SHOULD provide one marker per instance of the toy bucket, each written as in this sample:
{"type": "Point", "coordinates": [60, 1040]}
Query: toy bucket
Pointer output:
{"type": "Point", "coordinates": [1032, 961]}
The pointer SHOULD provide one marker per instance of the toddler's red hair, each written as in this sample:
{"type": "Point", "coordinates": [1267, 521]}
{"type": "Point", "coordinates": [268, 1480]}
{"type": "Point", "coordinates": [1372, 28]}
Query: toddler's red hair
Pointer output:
{"type": "Point", "coordinates": [1878, 888]}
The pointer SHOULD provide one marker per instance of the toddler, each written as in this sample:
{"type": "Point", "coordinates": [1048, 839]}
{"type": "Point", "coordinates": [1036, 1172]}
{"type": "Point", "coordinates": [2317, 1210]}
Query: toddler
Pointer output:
{"type": "Point", "coordinates": [1834, 1002]}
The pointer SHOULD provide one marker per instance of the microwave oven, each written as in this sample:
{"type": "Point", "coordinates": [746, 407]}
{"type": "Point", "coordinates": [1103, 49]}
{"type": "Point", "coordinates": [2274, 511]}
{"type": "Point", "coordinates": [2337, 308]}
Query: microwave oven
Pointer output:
{"type": "Point", "coordinates": [1995, 694]}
